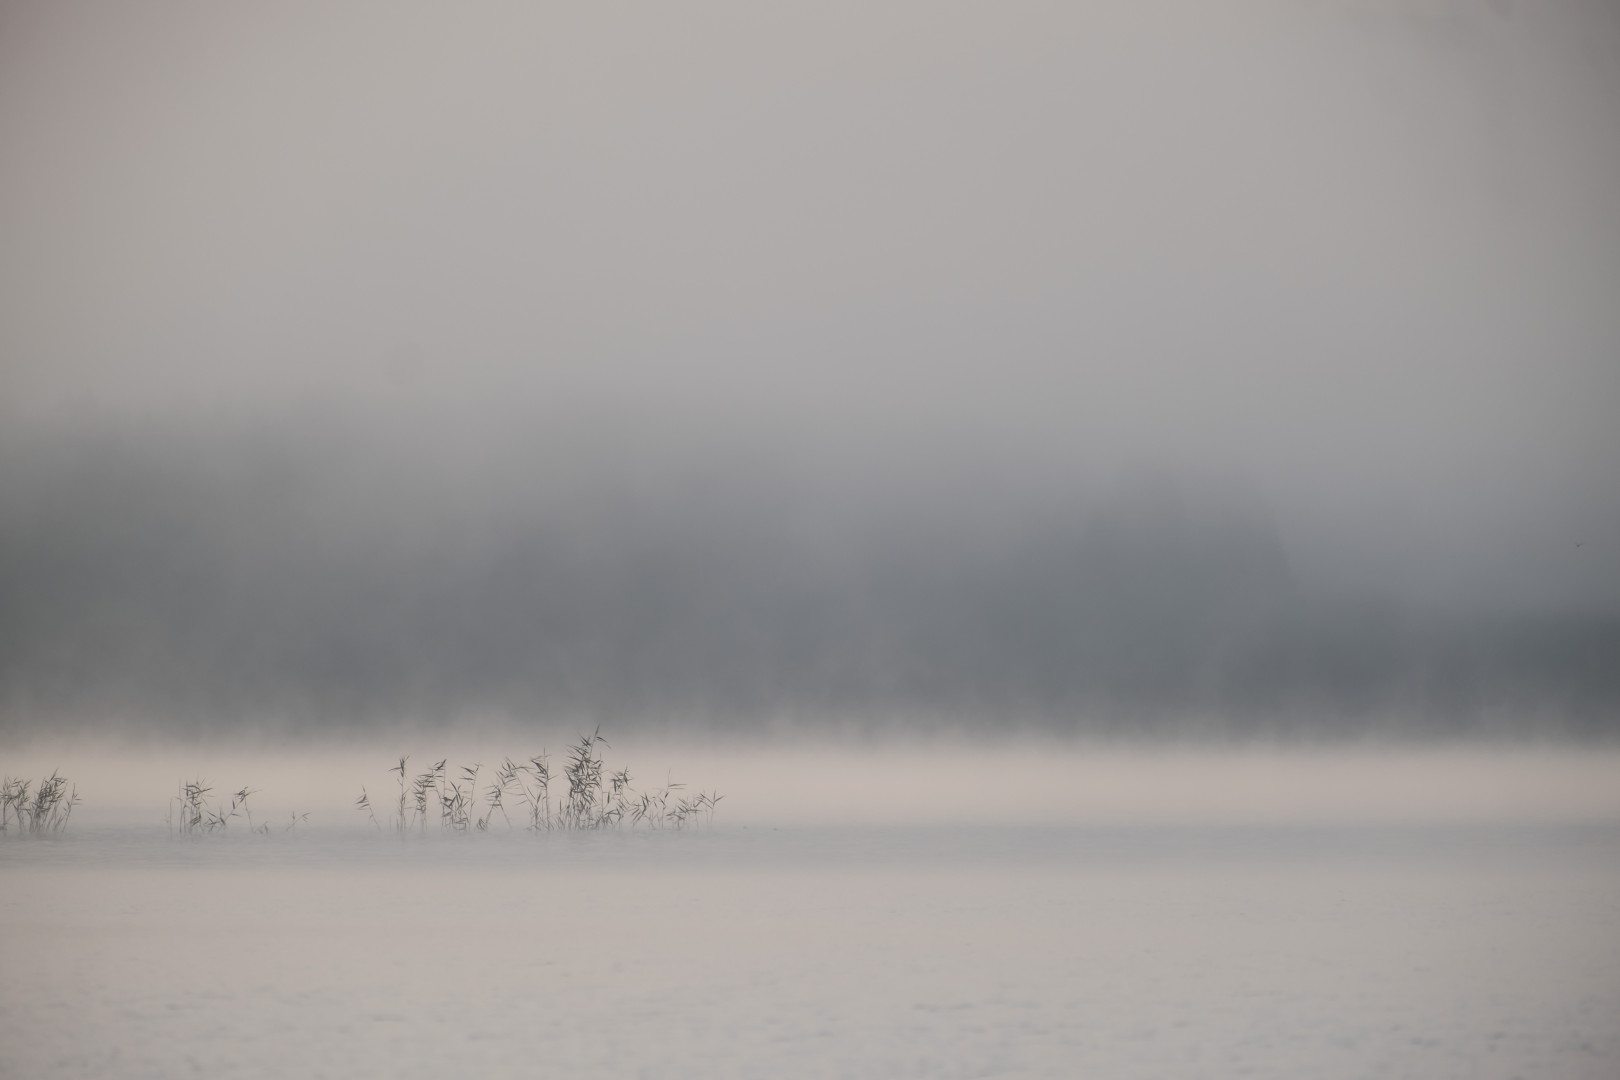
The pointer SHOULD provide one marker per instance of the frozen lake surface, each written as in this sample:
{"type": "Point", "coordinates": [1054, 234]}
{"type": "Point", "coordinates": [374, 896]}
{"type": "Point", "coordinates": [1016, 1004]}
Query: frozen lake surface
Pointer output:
{"type": "Point", "coordinates": [1435, 951]}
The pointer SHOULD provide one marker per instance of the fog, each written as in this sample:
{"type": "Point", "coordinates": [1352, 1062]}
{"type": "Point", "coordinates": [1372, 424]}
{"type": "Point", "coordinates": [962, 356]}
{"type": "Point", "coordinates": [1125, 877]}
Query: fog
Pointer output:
{"type": "Point", "coordinates": [1088, 534]}
{"type": "Point", "coordinates": [316, 584]}
{"type": "Point", "coordinates": [1155, 369]}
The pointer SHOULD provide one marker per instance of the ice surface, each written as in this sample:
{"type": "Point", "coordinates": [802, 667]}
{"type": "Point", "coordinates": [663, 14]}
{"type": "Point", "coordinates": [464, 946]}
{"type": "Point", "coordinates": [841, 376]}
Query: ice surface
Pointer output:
{"type": "Point", "coordinates": [1434, 951]}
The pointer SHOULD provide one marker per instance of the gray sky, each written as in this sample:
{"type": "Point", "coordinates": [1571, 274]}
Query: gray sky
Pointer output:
{"type": "Point", "coordinates": [1356, 262]}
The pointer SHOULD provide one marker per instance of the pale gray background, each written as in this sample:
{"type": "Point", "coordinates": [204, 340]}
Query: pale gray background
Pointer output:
{"type": "Point", "coordinates": [1252, 366]}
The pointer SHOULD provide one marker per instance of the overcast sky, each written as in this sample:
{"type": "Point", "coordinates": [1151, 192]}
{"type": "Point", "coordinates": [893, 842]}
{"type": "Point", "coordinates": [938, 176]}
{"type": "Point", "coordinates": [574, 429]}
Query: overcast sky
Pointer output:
{"type": "Point", "coordinates": [1354, 267]}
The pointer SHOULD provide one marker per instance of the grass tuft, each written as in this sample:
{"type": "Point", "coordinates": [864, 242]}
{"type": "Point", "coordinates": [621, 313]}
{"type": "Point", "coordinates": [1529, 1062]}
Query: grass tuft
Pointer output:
{"type": "Point", "coordinates": [193, 810]}
{"type": "Point", "coordinates": [590, 796]}
{"type": "Point", "coordinates": [37, 809]}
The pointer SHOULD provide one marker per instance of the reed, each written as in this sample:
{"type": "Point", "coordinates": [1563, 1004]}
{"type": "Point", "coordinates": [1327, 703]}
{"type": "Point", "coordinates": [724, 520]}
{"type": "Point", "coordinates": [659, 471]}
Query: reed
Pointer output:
{"type": "Point", "coordinates": [37, 809]}
{"type": "Point", "coordinates": [590, 796]}
{"type": "Point", "coordinates": [193, 810]}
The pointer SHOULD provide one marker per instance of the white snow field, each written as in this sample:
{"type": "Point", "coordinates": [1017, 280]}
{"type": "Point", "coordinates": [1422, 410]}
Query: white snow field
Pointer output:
{"type": "Point", "coordinates": [1474, 949]}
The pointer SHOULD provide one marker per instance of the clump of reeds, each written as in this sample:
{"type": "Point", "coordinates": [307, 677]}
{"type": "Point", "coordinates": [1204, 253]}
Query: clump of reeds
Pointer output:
{"type": "Point", "coordinates": [594, 797]}
{"type": "Point", "coordinates": [193, 810]}
{"type": "Point", "coordinates": [35, 809]}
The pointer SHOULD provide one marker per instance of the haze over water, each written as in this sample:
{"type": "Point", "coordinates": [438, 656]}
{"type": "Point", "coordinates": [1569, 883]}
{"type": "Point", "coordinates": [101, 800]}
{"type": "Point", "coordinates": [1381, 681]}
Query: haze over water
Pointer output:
{"type": "Point", "coordinates": [1245, 368]}
{"type": "Point", "coordinates": [1123, 500]}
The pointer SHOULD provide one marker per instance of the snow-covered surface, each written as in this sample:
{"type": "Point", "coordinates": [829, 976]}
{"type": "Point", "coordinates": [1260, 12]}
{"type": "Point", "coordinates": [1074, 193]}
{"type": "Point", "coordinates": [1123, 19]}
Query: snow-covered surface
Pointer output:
{"type": "Point", "coordinates": [1433, 950]}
